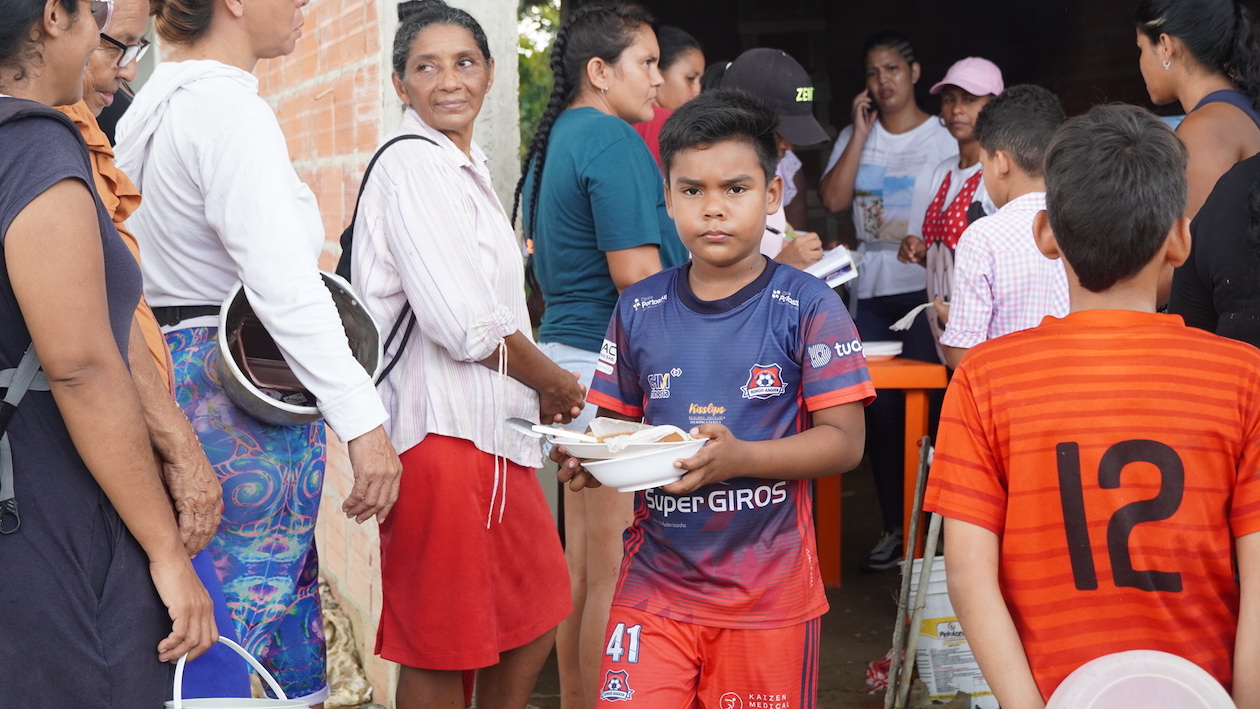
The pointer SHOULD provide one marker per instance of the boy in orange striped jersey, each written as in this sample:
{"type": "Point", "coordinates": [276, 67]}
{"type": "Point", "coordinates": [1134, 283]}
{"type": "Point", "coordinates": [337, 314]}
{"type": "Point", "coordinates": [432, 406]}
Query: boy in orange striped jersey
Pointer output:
{"type": "Point", "coordinates": [1099, 472]}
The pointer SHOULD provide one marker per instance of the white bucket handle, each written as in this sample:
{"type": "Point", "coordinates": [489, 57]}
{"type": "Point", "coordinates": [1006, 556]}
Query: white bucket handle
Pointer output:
{"type": "Point", "coordinates": [179, 672]}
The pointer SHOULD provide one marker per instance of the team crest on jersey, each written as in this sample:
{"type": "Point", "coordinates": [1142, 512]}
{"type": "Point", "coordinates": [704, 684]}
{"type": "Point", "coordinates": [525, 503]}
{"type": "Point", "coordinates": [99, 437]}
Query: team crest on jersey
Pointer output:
{"type": "Point", "coordinates": [616, 686]}
{"type": "Point", "coordinates": [765, 381]}
{"type": "Point", "coordinates": [731, 700]}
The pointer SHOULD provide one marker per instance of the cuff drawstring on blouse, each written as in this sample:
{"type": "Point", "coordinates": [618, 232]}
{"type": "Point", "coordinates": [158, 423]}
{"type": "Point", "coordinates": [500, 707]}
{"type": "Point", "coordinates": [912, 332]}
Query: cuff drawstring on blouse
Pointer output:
{"type": "Point", "coordinates": [500, 462]}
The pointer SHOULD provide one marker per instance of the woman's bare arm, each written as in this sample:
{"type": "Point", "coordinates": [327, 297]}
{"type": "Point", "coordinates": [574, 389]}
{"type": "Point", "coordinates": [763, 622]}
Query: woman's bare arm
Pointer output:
{"type": "Point", "coordinates": [56, 267]}
{"type": "Point", "coordinates": [560, 396]}
{"type": "Point", "coordinates": [1211, 137]}
{"type": "Point", "coordinates": [629, 266]}
{"type": "Point", "coordinates": [191, 482]}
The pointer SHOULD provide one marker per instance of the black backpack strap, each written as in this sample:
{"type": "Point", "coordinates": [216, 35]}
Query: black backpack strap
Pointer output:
{"type": "Point", "coordinates": [347, 247]}
{"type": "Point", "coordinates": [16, 382]}
{"type": "Point", "coordinates": [347, 236]}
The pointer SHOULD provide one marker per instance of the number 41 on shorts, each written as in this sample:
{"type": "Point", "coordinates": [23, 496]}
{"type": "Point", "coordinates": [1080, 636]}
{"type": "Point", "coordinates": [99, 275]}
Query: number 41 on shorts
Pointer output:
{"type": "Point", "coordinates": [617, 645]}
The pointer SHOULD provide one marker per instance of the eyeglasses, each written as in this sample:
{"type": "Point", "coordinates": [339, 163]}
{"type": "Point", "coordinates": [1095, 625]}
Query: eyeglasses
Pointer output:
{"type": "Point", "coordinates": [102, 11]}
{"type": "Point", "coordinates": [130, 52]}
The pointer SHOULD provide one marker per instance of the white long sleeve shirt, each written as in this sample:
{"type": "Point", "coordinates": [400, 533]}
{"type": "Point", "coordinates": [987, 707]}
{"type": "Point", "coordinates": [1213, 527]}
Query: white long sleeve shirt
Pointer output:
{"type": "Point", "coordinates": [431, 231]}
{"type": "Point", "coordinates": [222, 203]}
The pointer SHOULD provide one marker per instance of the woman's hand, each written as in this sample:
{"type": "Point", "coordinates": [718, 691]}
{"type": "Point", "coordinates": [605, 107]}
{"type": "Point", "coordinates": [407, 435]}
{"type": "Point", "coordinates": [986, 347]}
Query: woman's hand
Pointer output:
{"type": "Point", "coordinates": [563, 402]}
{"type": "Point", "coordinates": [198, 498]}
{"type": "Point", "coordinates": [377, 473]}
{"type": "Point", "coordinates": [863, 115]}
{"type": "Point", "coordinates": [571, 470]}
{"type": "Point", "coordinates": [912, 250]}
{"type": "Point", "coordinates": [720, 459]}
{"type": "Point", "coordinates": [192, 614]}
{"type": "Point", "coordinates": [802, 251]}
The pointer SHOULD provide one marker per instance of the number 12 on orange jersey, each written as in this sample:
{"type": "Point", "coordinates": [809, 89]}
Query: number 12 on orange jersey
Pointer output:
{"type": "Point", "coordinates": [618, 645]}
{"type": "Point", "coordinates": [1120, 526]}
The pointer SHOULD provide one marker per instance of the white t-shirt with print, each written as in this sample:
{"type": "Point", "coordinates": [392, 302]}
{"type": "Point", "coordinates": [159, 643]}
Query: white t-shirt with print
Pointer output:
{"type": "Point", "coordinates": [892, 165]}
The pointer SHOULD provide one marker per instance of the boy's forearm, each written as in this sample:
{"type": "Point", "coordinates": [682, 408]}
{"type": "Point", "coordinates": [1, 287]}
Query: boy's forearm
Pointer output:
{"type": "Point", "coordinates": [815, 453]}
{"type": "Point", "coordinates": [833, 445]}
{"type": "Point", "coordinates": [972, 565]}
{"type": "Point", "coordinates": [1247, 642]}
{"type": "Point", "coordinates": [953, 355]}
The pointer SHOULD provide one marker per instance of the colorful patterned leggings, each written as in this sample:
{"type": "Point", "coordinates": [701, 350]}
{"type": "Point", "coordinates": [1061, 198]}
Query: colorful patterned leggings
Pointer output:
{"type": "Point", "coordinates": [264, 551]}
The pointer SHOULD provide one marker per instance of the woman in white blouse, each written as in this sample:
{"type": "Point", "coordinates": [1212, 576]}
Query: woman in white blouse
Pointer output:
{"type": "Point", "coordinates": [473, 576]}
{"type": "Point", "coordinates": [222, 203]}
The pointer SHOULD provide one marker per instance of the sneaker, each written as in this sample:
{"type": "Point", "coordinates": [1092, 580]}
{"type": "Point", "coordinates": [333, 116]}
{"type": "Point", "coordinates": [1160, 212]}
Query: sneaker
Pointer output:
{"type": "Point", "coordinates": [886, 554]}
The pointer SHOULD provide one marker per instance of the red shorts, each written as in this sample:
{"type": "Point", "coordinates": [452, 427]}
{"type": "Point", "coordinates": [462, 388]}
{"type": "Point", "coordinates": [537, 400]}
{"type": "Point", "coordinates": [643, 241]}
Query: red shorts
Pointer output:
{"type": "Point", "coordinates": [454, 593]}
{"type": "Point", "coordinates": [665, 664]}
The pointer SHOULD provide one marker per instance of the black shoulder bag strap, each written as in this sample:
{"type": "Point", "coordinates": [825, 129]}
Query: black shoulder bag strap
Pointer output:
{"type": "Point", "coordinates": [16, 382]}
{"type": "Point", "coordinates": [347, 246]}
{"type": "Point", "coordinates": [27, 375]}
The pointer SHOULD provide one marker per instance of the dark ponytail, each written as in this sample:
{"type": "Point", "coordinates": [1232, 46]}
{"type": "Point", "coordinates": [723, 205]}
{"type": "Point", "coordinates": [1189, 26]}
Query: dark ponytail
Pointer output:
{"type": "Point", "coordinates": [1243, 67]}
{"type": "Point", "coordinates": [599, 29]}
{"type": "Point", "coordinates": [17, 50]}
{"type": "Point", "coordinates": [1220, 34]}
{"type": "Point", "coordinates": [182, 21]}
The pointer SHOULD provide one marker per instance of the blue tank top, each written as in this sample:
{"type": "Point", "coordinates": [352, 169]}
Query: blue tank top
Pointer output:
{"type": "Point", "coordinates": [1235, 98]}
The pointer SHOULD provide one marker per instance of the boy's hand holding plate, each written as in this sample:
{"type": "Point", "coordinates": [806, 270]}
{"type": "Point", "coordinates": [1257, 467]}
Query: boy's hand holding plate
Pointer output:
{"type": "Point", "coordinates": [720, 459]}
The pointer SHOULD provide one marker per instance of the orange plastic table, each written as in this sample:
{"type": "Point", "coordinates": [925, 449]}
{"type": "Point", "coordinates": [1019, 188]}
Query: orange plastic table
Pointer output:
{"type": "Point", "coordinates": [915, 378]}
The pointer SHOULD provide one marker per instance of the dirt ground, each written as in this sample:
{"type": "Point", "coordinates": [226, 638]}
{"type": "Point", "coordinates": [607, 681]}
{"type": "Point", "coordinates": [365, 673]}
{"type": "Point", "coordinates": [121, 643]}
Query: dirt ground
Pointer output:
{"type": "Point", "coordinates": [857, 629]}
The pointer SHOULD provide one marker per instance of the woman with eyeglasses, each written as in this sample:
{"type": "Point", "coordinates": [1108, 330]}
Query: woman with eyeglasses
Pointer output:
{"type": "Point", "coordinates": [96, 581]}
{"type": "Point", "coordinates": [222, 203]}
{"type": "Point", "coordinates": [191, 483]}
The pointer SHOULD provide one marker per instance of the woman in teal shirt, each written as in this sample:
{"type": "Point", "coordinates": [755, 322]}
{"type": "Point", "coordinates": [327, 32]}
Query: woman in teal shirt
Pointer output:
{"type": "Point", "coordinates": [595, 209]}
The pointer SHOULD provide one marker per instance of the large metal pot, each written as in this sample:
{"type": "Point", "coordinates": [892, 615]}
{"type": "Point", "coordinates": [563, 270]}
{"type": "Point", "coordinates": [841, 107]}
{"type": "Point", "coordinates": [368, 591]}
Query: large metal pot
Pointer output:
{"type": "Point", "coordinates": [255, 374]}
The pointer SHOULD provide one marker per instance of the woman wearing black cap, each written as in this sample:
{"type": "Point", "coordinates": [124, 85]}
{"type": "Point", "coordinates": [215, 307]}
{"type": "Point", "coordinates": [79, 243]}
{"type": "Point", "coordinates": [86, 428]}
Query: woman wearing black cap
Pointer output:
{"type": "Point", "coordinates": [778, 79]}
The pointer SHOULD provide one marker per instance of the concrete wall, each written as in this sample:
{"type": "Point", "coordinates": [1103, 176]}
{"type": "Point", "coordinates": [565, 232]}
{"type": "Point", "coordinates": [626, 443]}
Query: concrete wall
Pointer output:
{"type": "Point", "coordinates": [335, 102]}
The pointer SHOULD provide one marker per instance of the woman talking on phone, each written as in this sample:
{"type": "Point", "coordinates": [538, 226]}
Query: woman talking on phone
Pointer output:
{"type": "Point", "coordinates": [872, 172]}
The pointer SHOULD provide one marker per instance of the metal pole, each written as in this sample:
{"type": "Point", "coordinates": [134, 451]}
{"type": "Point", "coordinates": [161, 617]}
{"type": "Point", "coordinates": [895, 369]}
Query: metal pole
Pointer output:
{"type": "Point", "coordinates": [920, 596]}
{"type": "Point", "coordinates": [903, 598]}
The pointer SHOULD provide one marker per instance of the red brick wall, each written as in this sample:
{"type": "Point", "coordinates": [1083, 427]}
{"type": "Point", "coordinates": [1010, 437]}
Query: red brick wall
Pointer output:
{"type": "Point", "coordinates": [328, 96]}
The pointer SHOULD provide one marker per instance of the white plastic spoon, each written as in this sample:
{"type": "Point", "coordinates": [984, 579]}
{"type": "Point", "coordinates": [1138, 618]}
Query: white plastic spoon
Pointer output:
{"type": "Point", "coordinates": [534, 430]}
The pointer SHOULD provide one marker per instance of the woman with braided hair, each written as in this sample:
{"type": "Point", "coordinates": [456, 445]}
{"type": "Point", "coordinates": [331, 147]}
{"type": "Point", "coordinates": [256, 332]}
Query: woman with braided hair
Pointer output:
{"type": "Point", "coordinates": [592, 201]}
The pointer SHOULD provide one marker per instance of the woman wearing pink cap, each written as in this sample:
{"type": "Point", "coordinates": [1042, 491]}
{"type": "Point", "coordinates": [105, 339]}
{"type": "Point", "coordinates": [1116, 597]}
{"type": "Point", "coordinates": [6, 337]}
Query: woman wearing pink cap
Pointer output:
{"type": "Point", "coordinates": [954, 197]}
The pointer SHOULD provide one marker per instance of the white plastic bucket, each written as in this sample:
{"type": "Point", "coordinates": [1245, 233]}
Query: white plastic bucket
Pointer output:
{"type": "Point", "coordinates": [943, 657]}
{"type": "Point", "coordinates": [234, 703]}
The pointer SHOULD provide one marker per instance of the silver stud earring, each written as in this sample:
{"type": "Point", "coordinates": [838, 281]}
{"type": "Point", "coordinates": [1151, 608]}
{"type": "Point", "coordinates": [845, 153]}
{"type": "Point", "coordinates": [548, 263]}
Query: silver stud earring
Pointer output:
{"type": "Point", "coordinates": [605, 89]}
{"type": "Point", "coordinates": [1167, 64]}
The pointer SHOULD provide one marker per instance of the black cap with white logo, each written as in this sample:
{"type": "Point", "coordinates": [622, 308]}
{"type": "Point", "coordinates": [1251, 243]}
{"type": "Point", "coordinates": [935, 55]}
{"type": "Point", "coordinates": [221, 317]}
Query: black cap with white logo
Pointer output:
{"type": "Point", "coordinates": [775, 77]}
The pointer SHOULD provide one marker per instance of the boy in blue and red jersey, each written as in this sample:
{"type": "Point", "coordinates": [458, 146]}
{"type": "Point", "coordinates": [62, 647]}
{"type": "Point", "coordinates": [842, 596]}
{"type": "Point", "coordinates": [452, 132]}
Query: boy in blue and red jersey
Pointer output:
{"type": "Point", "coordinates": [719, 596]}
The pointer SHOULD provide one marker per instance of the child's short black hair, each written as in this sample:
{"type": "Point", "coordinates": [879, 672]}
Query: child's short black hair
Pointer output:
{"type": "Point", "coordinates": [1020, 122]}
{"type": "Point", "coordinates": [1115, 183]}
{"type": "Point", "coordinates": [718, 115]}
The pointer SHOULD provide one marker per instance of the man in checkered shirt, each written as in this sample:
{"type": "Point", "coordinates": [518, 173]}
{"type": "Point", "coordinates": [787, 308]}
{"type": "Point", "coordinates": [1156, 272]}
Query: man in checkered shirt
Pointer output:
{"type": "Point", "coordinates": [1002, 283]}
